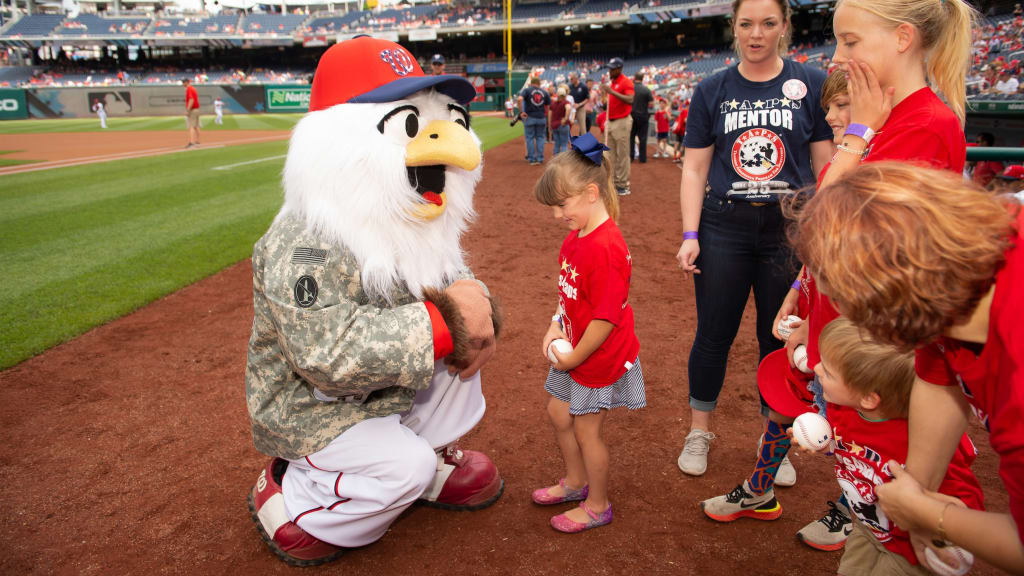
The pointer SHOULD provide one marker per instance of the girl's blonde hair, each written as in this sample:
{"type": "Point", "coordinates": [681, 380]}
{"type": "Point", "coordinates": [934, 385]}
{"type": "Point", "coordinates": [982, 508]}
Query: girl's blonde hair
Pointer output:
{"type": "Point", "coordinates": [569, 172]}
{"type": "Point", "coordinates": [867, 366]}
{"type": "Point", "coordinates": [787, 13]}
{"type": "Point", "coordinates": [834, 86]}
{"type": "Point", "coordinates": [905, 251]}
{"type": "Point", "coordinates": [945, 27]}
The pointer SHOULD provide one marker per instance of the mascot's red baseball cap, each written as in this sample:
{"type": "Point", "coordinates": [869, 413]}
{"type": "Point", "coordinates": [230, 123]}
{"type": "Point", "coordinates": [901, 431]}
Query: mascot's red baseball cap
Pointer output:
{"type": "Point", "coordinates": [783, 387]}
{"type": "Point", "coordinates": [371, 70]}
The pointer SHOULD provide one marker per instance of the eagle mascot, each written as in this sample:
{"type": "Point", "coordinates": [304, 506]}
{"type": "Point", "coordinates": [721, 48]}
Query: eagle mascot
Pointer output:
{"type": "Point", "coordinates": [369, 329]}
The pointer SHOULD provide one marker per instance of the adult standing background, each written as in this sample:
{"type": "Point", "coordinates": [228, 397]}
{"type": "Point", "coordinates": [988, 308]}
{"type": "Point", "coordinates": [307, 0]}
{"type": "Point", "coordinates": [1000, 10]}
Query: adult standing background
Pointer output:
{"type": "Point", "coordinates": [754, 131]}
{"type": "Point", "coordinates": [191, 113]}
{"type": "Point", "coordinates": [581, 97]}
{"type": "Point", "coordinates": [437, 65]}
{"type": "Point", "coordinates": [533, 101]}
{"type": "Point", "coordinates": [620, 99]}
{"type": "Point", "coordinates": [641, 114]}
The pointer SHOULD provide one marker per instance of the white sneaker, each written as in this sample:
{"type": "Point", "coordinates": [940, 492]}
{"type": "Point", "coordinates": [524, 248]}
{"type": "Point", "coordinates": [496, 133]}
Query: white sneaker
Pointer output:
{"type": "Point", "coordinates": [785, 476]}
{"type": "Point", "coordinates": [693, 460]}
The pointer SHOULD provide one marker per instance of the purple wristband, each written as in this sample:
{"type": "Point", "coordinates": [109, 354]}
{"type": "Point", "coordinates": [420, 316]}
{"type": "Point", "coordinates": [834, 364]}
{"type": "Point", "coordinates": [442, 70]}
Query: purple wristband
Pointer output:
{"type": "Point", "coordinates": [691, 235]}
{"type": "Point", "coordinates": [796, 285]}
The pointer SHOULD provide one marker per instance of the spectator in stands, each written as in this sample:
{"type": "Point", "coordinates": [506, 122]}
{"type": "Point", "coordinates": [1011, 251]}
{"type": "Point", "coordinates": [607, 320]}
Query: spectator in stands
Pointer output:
{"type": "Point", "coordinates": [619, 122]}
{"type": "Point", "coordinates": [985, 170]}
{"type": "Point", "coordinates": [558, 119]}
{"type": "Point", "coordinates": [191, 113]}
{"type": "Point", "coordinates": [580, 94]}
{"type": "Point", "coordinates": [533, 102]}
{"type": "Point", "coordinates": [641, 114]}
{"type": "Point", "coordinates": [1006, 83]}
{"type": "Point", "coordinates": [437, 65]}
{"type": "Point", "coordinates": [734, 232]}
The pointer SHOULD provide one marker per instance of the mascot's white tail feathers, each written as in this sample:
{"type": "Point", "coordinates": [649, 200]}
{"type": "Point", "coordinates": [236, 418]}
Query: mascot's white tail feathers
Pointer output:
{"type": "Point", "coordinates": [349, 183]}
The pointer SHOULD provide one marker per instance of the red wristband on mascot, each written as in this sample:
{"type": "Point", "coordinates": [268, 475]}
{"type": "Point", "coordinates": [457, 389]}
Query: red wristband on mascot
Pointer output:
{"type": "Point", "coordinates": [443, 344]}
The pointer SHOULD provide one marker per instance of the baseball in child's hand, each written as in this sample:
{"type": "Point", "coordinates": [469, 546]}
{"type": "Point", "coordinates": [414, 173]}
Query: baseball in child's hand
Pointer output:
{"type": "Point", "coordinates": [812, 431]}
{"type": "Point", "coordinates": [562, 345]}
{"type": "Point", "coordinates": [964, 559]}
{"type": "Point", "coordinates": [800, 359]}
{"type": "Point", "coordinates": [785, 327]}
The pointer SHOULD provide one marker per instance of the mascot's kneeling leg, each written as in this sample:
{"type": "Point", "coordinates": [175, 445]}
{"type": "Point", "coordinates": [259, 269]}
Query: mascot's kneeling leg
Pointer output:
{"type": "Point", "coordinates": [443, 413]}
{"type": "Point", "coordinates": [345, 495]}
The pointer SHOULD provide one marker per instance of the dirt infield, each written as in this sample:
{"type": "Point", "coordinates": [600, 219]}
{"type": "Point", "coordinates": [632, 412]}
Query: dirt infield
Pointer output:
{"type": "Point", "coordinates": [128, 450]}
{"type": "Point", "coordinates": [69, 149]}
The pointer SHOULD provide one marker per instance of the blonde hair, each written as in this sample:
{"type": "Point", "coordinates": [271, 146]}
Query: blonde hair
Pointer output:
{"type": "Point", "coordinates": [867, 366]}
{"type": "Point", "coordinates": [904, 250]}
{"type": "Point", "coordinates": [787, 13]}
{"type": "Point", "coordinates": [945, 27]}
{"type": "Point", "coordinates": [568, 173]}
{"type": "Point", "coordinates": [834, 87]}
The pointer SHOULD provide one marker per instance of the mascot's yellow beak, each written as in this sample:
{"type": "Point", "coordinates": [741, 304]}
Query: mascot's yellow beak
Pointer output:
{"type": "Point", "coordinates": [442, 143]}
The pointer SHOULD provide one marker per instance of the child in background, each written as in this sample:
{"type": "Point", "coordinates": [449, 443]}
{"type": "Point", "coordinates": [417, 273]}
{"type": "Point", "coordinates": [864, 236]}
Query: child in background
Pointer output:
{"type": "Point", "coordinates": [866, 386]}
{"type": "Point", "coordinates": [661, 127]}
{"type": "Point", "coordinates": [603, 369]}
{"type": "Point", "coordinates": [679, 130]}
{"type": "Point", "coordinates": [933, 264]}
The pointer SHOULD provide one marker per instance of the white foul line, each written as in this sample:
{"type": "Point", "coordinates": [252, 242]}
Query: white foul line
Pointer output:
{"type": "Point", "coordinates": [230, 166]}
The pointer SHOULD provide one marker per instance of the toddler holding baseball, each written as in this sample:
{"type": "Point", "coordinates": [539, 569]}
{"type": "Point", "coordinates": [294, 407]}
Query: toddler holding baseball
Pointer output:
{"type": "Point", "coordinates": [865, 392]}
{"type": "Point", "coordinates": [602, 371]}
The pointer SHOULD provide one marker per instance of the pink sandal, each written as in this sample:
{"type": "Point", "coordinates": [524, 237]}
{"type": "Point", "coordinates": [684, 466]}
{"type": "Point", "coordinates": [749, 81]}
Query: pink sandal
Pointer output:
{"type": "Point", "coordinates": [563, 523]}
{"type": "Point", "coordinates": [541, 495]}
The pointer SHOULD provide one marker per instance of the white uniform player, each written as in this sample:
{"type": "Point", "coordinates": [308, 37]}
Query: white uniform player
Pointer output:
{"type": "Point", "coordinates": [100, 111]}
{"type": "Point", "coordinates": [218, 109]}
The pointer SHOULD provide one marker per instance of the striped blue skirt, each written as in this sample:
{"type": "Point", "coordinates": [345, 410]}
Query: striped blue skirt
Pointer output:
{"type": "Point", "coordinates": [627, 391]}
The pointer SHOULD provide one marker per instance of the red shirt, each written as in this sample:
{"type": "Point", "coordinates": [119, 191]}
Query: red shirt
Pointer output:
{"type": "Point", "coordinates": [993, 381]}
{"type": "Point", "coordinates": [924, 129]}
{"type": "Point", "coordinates": [661, 121]}
{"type": "Point", "coordinates": [680, 127]}
{"type": "Point", "coordinates": [558, 113]}
{"type": "Point", "coordinates": [863, 450]}
{"type": "Point", "coordinates": [985, 171]}
{"type": "Point", "coordinates": [617, 108]}
{"type": "Point", "coordinates": [191, 97]}
{"type": "Point", "coordinates": [593, 284]}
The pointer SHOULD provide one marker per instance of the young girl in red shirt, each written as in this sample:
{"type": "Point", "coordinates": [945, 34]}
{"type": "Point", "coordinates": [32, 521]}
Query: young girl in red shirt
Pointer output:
{"type": "Point", "coordinates": [603, 369]}
{"type": "Point", "coordinates": [661, 127]}
{"type": "Point", "coordinates": [933, 264]}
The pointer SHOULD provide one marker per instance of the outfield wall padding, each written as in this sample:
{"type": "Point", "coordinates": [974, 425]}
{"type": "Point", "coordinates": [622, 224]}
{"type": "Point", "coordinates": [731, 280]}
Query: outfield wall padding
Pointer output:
{"type": "Point", "coordinates": [121, 101]}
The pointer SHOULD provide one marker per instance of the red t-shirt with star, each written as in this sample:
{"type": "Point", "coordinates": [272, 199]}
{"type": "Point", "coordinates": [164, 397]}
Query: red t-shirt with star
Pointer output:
{"type": "Point", "coordinates": [993, 381]}
{"type": "Point", "coordinates": [863, 449]}
{"type": "Point", "coordinates": [617, 108]}
{"type": "Point", "coordinates": [593, 284]}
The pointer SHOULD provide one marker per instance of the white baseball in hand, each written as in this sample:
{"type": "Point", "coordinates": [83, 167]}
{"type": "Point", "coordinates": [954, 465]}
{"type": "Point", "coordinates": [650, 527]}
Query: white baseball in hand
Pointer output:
{"type": "Point", "coordinates": [785, 327]}
{"type": "Point", "coordinates": [812, 431]}
{"type": "Point", "coordinates": [800, 359]}
{"type": "Point", "coordinates": [965, 558]}
{"type": "Point", "coordinates": [562, 345]}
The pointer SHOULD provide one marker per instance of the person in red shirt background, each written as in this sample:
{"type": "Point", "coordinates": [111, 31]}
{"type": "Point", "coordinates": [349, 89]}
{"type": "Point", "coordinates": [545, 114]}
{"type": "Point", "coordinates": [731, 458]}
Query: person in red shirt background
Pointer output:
{"type": "Point", "coordinates": [986, 170]}
{"type": "Point", "coordinates": [679, 130]}
{"type": "Point", "coordinates": [191, 113]}
{"type": "Point", "coordinates": [620, 122]}
{"type": "Point", "coordinates": [661, 127]}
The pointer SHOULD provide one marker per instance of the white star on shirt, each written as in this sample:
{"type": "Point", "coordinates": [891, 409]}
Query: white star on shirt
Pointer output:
{"type": "Point", "coordinates": [733, 104]}
{"type": "Point", "coordinates": [786, 101]}
{"type": "Point", "coordinates": [758, 103]}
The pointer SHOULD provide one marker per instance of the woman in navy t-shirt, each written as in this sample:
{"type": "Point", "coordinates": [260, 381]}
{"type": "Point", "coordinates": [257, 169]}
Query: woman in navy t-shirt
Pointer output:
{"type": "Point", "coordinates": [755, 132]}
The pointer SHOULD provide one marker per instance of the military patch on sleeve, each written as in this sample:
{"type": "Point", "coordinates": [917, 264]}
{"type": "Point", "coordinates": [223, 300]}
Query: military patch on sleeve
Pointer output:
{"type": "Point", "coordinates": [316, 256]}
{"type": "Point", "coordinates": [305, 291]}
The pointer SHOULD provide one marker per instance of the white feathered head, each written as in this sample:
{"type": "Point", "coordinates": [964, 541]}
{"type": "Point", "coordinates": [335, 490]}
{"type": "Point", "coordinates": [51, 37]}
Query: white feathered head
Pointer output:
{"type": "Point", "coordinates": [385, 164]}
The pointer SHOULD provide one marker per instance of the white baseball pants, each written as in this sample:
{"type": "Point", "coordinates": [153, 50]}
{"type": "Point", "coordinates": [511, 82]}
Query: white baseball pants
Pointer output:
{"type": "Point", "coordinates": [350, 492]}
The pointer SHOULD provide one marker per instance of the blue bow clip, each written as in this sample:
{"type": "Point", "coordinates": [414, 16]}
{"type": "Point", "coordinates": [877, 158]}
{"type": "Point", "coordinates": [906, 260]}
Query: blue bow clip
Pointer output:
{"type": "Point", "coordinates": [588, 145]}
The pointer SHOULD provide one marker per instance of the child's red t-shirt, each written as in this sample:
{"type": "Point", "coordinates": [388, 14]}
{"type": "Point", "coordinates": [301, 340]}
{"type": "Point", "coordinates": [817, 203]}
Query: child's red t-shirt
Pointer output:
{"type": "Point", "coordinates": [993, 381]}
{"type": "Point", "coordinates": [661, 121]}
{"type": "Point", "coordinates": [593, 284]}
{"type": "Point", "coordinates": [863, 449]}
{"type": "Point", "coordinates": [680, 127]}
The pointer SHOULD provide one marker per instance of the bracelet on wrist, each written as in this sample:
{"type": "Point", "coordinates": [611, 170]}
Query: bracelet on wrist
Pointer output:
{"type": "Point", "coordinates": [941, 531]}
{"type": "Point", "coordinates": [848, 150]}
{"type": "Point", "coordinates": [690, 235]}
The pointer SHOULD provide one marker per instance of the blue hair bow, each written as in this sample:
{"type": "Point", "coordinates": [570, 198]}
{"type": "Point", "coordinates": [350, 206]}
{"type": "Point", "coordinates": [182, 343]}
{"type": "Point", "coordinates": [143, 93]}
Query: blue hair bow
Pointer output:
{"type": "Point", "coordinates": [588, 145]}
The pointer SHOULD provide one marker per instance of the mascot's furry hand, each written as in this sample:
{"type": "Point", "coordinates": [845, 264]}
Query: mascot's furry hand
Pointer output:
{"type": "Point", "coordinates": [474, 322]}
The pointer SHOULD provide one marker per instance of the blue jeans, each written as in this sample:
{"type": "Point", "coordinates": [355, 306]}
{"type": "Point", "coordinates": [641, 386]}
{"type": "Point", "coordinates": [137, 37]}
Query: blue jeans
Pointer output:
{"type": "Point", "coordinates": [561, 136]}
{"type": "Point", "coordinates": [536, 130]}
{"type": "Point", "coordinates": [742, 246]}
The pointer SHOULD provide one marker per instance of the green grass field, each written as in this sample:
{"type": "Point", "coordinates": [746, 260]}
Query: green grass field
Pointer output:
{"type": "Point", "coordinates": [84, 245]}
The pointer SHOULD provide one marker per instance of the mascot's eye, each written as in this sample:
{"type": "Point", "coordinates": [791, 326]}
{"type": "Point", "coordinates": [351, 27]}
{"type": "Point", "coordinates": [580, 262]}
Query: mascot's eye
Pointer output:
{"type": "Point", "coordinates": [401, 123]}
{"type": "Point", "coordinates": [458, 115]}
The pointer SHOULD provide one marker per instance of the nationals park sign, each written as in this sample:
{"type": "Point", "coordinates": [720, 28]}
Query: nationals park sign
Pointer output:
{"type": "Point", "coordinates": [288, 98]}
{"type": "Point", "coordinates": [12, 105]}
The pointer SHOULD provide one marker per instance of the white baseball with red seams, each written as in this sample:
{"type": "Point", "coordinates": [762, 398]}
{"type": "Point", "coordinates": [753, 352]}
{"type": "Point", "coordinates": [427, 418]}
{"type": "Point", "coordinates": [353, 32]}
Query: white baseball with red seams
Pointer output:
{"type": "Point", "coordinates": [800, 359]}
{"type": "Point", "coordinates": [562, 345]}
{"type": "Point", "coordinates": [936, 565]}
{"type": "Point", "coordinates": [785, 327]}
{"type": "Point", "coordinates": [812, 431]}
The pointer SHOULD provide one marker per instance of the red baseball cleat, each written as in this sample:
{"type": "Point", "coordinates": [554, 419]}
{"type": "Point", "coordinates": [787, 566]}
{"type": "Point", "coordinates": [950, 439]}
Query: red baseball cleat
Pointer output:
{"type": "Point", "coordinates": [465, 480]}
{"type": "Point", "coordinates": [292, 544]}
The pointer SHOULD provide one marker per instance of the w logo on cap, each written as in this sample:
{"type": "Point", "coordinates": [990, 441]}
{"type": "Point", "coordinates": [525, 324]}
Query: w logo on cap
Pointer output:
{"type": "Point", "coordinates": [400, 60]}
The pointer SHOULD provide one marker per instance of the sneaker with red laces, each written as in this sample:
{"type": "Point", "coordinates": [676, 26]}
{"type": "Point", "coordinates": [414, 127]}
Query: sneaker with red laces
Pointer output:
{"type": "Point", "coordinates": [465, 480]}
{"type": "Point", "coordinates": [289, 542]}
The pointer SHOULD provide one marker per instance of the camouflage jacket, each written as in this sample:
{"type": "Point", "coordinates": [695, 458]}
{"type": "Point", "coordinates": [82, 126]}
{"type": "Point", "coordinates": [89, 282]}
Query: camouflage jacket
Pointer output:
{"type": "Point", "coordinates": [314, 327]}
